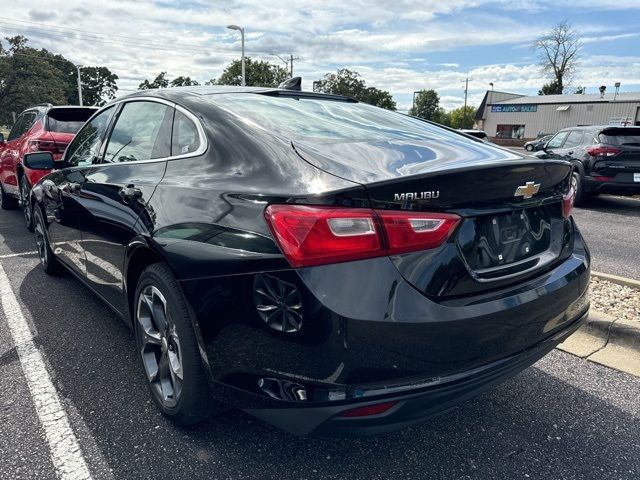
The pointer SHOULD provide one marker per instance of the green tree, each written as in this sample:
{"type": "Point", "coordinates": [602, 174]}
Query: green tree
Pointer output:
{"type": "Point", "coordinates": [258, 73]}
{"type": "Point", "coordinates": [558, 52]}
{"type": "Point", "coordinates": [98, 85]}
{"type": "Point", "coordinates": [350, 83]}
{"type": "Point", "coordinates": [461, 118]}
{"type": "Point", "coordinates": [183, 82]}
{"type": "Point", "coordinates": [427, 106]}
{"type": "Point", "coordinates": [27, 77]}
{"type": "Point", "coordinates": [551, 88]}
{"type": "Point", "coordinates": [161, 81]}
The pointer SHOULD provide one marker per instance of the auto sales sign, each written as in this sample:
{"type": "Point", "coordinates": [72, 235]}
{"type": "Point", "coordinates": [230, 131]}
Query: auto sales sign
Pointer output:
{"type": "Point", "coordinates": [515, 108]}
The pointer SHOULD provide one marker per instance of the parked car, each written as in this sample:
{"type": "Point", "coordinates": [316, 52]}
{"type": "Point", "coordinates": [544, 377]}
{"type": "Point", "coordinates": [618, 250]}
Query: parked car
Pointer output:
{"type": "Point", "coordinates": [40, 128]}
{"type": "Point", "coordinates": [325, 265]}
{"type": "Point", "coordinates": [476, 133]}
{"type": "Point", "coordinates": [537, 144]}
{"type": "Point", "coordinates": [606, 159]}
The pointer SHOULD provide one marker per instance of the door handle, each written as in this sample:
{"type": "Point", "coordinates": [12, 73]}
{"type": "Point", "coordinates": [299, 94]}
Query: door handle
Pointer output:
{"type": "Point", "coordinates": [71, 187]}
{"type": "Point", "coordinates": [570, 153]}
{"type": "Point", "coordinates": [130, 192]}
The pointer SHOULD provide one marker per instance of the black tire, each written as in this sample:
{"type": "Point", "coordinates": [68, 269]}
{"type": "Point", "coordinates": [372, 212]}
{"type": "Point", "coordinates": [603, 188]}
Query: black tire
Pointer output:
{"type": "Point", "coordinates": [581, 196]}
{"type": "Point", "coordinates": [7, 202]}
{"type": "Point", "coordinates": [528, 148]}
{"type": "Point", "coordinates": [167, 347]}
{"type": "Point", "coordinates": [27, 212]}
{"type": "Point", "coordinates": [48, 260]}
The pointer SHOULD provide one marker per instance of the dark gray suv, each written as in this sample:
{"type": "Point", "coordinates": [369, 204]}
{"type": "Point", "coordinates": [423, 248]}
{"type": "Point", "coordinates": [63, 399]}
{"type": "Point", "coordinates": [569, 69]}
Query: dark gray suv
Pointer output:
{"type": "Point", "coordinates": [606, 159]}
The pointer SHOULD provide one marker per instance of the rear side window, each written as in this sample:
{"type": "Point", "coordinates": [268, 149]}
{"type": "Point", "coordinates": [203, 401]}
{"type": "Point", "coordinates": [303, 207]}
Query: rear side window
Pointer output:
{"type": "Point", "coordinates": [142, 132]}
{"type": "Point", "coordinates": [621, 136]}
{"type": "Point", "coordinates": [574, 139]}
{"type": "Point", "coordinates": [22, 125]}
{"type": "Point", "coordinates": [185, 135]}
{"type": "Point", "coordinates": [67, 120]}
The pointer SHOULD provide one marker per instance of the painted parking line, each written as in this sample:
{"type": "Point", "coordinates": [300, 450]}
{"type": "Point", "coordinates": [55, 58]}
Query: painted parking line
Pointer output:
{"type": "Point", "coordinates": [64, 448]}
{"type": "Point", "coordinates": [11, 255]}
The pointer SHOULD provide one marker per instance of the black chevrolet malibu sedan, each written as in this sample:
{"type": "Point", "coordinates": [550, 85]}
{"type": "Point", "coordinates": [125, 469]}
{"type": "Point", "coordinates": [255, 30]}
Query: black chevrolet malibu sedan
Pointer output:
{"type": "Point", "coordinates": [327, 266]}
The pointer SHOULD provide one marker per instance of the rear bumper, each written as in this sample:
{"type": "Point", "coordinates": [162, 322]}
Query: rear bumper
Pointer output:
{"type": "Point", "coordinates": [420, 404]}
{"type": "Point", "coordinates": [370, 336]}
{"type": "Point", "coordinates": [616, 188]}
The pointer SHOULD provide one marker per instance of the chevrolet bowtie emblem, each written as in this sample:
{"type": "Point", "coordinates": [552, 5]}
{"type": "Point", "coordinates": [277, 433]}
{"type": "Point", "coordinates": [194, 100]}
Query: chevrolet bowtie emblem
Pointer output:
{"type": "Point", "coordinates": [528, 190]}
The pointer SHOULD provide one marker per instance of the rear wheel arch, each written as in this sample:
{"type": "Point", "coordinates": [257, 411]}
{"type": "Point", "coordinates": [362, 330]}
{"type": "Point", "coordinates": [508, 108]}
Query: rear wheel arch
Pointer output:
{"type": "Point", "coordinates": [138, 258]}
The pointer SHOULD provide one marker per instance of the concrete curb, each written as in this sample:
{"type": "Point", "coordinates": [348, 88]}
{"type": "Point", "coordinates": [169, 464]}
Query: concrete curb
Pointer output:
{"type": "Point", "coordinates": [626, 282]}
{"type": "Point", "coordinates": [607, 340]}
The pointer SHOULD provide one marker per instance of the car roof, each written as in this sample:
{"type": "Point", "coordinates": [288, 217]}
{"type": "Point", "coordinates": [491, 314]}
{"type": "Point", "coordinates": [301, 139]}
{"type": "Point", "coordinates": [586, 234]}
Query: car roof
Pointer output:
{"type": "Point", "coordinates": [178, 93]}
{"type": "Point", "coordinates": [596, 128]}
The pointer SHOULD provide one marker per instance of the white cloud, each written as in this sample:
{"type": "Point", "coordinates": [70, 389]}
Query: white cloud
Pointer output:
{"type": "Point", "coordinates": [391, 46]}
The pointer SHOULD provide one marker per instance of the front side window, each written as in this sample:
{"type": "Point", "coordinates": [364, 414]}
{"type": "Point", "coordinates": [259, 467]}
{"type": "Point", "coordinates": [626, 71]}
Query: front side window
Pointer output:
{"type": "Point", "coordinates": [142, 132]}
{"type": "Point", "coordinates": [185, 135]}
{"type": "Point", "coordinates": [574, 139]}
{"type": "Point", "coordinates": [557, 140]}
{"type": "Point", "coordinates": [85, 147]}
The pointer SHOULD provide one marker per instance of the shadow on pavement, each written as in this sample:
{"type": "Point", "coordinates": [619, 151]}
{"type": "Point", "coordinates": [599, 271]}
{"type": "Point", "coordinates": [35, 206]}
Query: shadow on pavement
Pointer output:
{"type": "Point", "coordinates": [611, 204]}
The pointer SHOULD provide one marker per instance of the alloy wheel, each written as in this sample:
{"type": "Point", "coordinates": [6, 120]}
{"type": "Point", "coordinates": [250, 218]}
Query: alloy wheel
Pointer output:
{"type": "Point", "coordinates": [278, 304]}
{"type": "Point", "coordinates": [159, 346]}
{"type": "Point", "coordinates": [24, 200]}
{"type": "Point", "coordinates": [41, 242]}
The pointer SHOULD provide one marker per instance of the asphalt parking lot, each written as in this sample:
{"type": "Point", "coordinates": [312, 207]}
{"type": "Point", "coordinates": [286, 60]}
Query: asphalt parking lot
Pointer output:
{"type": "Point", "coordinates": [563, 418]}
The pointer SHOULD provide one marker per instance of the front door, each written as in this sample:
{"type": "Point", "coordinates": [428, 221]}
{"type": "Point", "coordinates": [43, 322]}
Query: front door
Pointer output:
{"type": "Point", "coordinates": [62, 200]}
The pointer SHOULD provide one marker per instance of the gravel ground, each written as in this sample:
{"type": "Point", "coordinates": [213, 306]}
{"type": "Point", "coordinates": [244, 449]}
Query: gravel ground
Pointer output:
{"type": "Point", "coordinates": [616, 300]}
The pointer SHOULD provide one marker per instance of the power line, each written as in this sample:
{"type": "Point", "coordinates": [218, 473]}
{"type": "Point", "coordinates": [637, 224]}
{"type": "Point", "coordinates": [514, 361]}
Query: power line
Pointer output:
{"type": "Point", "coordinates": [54, 32]}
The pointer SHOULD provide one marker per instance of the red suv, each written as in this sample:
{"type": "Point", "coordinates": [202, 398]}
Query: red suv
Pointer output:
{"type": "Point", "coordinates": [40, 128]}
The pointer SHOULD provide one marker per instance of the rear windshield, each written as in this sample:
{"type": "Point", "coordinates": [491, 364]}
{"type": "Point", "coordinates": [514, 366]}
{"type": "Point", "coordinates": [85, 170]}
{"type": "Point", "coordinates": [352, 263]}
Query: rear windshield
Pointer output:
{"type": "Point", "coordinates": [326, 119]}
{"type": "Point", "coordinates": [621, 136]}
{"type": "Point", "coordinates": [67, 120]}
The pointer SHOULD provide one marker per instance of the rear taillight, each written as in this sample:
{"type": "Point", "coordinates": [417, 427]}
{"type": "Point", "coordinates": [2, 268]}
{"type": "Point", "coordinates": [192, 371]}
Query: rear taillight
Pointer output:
{"type": "Point", "coordinates": [567, 202]}
{"type": "Point", "coordinates": [310, 235]}
{"type": "Point", "coordinates": [602, 151]}
{"type": "Point", "coordinates": [409, 231]}
{"type": "Point", "coordinates": [43, 146]}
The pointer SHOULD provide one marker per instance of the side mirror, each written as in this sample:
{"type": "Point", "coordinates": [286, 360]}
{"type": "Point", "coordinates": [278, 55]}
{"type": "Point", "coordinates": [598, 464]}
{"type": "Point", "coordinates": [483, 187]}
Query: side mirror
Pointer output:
{"type": "Point", "coordinates": [39, 161]}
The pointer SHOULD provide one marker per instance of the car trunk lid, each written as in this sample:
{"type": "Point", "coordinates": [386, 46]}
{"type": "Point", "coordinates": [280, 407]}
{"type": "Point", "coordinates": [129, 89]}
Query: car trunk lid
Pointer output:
{"type": "Point", "coordinates": [511, 206]}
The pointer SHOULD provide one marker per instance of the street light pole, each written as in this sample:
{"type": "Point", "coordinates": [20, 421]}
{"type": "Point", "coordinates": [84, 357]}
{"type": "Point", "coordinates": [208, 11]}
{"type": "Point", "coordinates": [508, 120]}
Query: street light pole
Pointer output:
{"type": "Point", "coordinates": [243, 82]}
{"type": "Point", "coordinates": [464, 112]}
{"type": "Point", "coordinates": [79, 86]}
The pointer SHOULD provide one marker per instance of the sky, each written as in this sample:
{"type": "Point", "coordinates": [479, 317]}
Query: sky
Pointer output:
{"type": "Point", "coordinates": [396, 45]}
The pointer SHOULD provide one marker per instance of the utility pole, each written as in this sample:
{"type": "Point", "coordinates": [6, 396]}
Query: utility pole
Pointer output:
{"type": "Point", "coordinates": [79, 86]}
{"type": "Point", "coordinates": [291, 64]}
{"type": "Point", "coordinates": [288, 62]}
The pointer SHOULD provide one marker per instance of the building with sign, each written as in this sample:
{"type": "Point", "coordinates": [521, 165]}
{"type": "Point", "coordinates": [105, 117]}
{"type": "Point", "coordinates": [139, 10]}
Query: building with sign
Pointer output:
{"type": "Point", "coordinates": [512, 119]}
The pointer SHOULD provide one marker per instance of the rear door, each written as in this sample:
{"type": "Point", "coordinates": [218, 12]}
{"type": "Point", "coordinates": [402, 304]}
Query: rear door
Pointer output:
{"type": "Point", "coordinates": [117, 191]}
